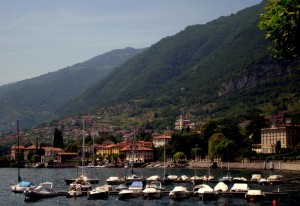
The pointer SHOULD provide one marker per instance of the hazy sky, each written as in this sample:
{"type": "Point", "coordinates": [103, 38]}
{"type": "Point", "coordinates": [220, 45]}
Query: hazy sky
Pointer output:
{"type": "Point", "coordinates": [40, 36]}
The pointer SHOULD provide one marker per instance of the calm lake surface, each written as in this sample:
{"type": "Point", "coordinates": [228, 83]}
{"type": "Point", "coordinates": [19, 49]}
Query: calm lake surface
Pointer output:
{"type": "Point", "coordinates": [57, 176]}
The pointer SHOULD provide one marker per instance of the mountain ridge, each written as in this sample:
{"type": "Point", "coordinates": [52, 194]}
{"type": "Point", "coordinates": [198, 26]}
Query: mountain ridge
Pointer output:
{"type": "Point", "coordinates": [35, 100]}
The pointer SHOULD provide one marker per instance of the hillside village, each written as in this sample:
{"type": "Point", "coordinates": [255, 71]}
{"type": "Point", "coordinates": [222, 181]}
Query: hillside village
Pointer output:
{"type": "Point", "coordinates": [114, 146]}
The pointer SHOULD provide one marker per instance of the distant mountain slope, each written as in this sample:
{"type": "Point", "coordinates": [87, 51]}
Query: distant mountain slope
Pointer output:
{"type": "Point", "coordinates": [35, 100]}
{"type": "Point", "coordinates": [209, 69]}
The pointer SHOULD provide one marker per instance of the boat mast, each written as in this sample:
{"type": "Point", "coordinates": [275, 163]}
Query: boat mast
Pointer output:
{"type": "Point", "coordinates": [18, 152]}
{"type": "Point", "coordinates": [132, 151]}
{"type": "Point", "coordinates": [82, 158]}
{"type": "Point", "coordinates": [164, 156]}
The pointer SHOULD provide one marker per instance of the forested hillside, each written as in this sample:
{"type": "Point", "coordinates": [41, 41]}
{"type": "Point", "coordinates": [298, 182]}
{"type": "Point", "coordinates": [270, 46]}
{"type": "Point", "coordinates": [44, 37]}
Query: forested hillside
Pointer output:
{"type": "Point", "coordinates": [36, 100]}
{"type": "Point", "coordinates": [220, 68]}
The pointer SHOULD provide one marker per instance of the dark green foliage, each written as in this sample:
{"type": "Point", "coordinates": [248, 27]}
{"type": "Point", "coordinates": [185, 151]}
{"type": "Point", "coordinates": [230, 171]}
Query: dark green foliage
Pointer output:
{"type": "Point", "coordinates": [222, 67]}
{"type": "Point", "coordinates": [186, 142]}
{"type": "Point", "coordinates": [58, 141]}
{"type": "Point", "coordinates": [281, 21]}
{"type": "Point", "coordinates": [71, 148]}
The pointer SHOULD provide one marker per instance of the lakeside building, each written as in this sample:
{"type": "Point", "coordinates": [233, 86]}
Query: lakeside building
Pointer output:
{"type": "Point", "coordinates": [182, 123]}
{"type": "Point", "coordinates": [287, 136]}
{"type": "Point", "coordinates": [159, 140]}
{"type": "Point", "coordinates": [137, 154]}
{"type": "Point", "coordinates": [14, 150]}
{"type": "Point", "coordinates": [140, 153]}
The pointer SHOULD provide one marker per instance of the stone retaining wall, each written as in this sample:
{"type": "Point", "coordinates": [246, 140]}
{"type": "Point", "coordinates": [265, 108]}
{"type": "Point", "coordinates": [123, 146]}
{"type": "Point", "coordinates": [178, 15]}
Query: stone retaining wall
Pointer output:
{"type": "Point", "coordinates": [272, 165]}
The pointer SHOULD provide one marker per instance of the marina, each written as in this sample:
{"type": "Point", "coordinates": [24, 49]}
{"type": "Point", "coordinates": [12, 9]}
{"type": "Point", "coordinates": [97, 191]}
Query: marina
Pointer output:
{"type": "Point", "coordinates": [286, 193]}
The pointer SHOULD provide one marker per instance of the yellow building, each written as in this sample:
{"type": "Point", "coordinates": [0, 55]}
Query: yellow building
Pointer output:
{"type": "Point", "coordinates": [289, 137]}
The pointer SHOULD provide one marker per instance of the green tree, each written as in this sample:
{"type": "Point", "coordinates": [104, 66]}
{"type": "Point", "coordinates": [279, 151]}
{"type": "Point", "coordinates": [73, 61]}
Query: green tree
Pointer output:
{"type": "Point", "coordinates": [214, 140]}
{"type": "Point", "coordinates": [225, 147]}
{"type": "Point", "coordinates": [35, 158]}
{"type": "Point", "coordinates": [281, 21]}
{"type": "Point", "coordinates": [58, 141]}
{"type": "Point", "coordinates": [71, 148]}
{"type": "Point", "coordinates": [178, 156]}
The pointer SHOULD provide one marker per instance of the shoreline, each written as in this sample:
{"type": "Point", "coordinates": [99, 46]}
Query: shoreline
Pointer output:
{"type": "Point", "coordinates": [271, 165]}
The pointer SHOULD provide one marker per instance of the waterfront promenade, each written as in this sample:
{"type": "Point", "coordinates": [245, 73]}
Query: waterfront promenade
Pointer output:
{"type": "Point", "coordinates": [270, 165]}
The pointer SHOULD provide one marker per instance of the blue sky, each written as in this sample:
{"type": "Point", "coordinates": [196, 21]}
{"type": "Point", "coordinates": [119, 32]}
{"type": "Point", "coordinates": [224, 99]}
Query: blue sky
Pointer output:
{"type": "Point", "coordinates": [37, 37]}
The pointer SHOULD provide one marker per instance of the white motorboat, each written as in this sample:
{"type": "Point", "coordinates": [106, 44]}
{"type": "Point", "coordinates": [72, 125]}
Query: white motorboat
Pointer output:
{"type": "Point", "coordinates": [21, 186]}
{"type": "Point", "coordinates": [239, 187]}
{"type": "Point", "coordinates": [255, 177]}
{"type": "Point", "coordinates": [263, 181]}
{"type": "Point", "coordinates": [221, 187]}
{"type": "Point", "coordinates": [239, 179]}
{"type": "Point", "coordinates": [254, 195]}
{"type": "Point", "coordinates": [173, 177]}
{"type": "Point", "coordinates": [120, 187]}
{"type": "Point", "coordinates": [226, 179]}
{"type": "Point", "coordinates": [150, 192]}
{"type": "Point", "coordinates": [43, 190]}
{"type": "Point", "coordinates": [275, 179]}
{"type": "Point", "coordinates": [179, 192]}
{"type": "Point", "coordinates": [75, 190]}
{"type": "Point", "coordinates": [183, 178]}
{"type": "Point", "coordinates": [208, 178]}
{"type": "Point", "coordinates": [83, 181]}
{"type": "Point", "coordinates": [100, 192]}
{"type": "Point", "coordinates": [199, 190]}
{"type": "Point", "coordinates": [115, 180]}
{"type": "Point", "coordinates": [195, 180]}
{"type": "Point", "coordinates": [155, 184]}
{"type": "Point", "coordinates": [133, 178]}
{"type": "Point", "coordinates": [134, 190]}
{"type": "Point", "coordinates": [153, 178]}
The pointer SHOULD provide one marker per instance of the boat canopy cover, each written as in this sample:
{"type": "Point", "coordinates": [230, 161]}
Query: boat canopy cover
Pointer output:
{"type": "Point", "coordinates": [25, 184]}
{"type": "Point", "coordinates": [137, 184]}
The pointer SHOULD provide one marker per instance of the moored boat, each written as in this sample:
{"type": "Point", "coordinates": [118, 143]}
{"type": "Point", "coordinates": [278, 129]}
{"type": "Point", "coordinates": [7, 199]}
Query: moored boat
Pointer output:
{"type": "Point", "coordinates": [255, 177]}
{"type": "Point", "coordinates": [150, 192]}
{"type": "Point", "coordinates": [221, 187]}
{"type": "Point", "coordinates": [183, 178]}
{"type": "Point", "coordinates": [75, 190]}
{"type": "Point", "coordinates": [155, 184]}
{"type": "Point", "coordinates": [226, 179]}
{"type": "Point", "coordinates": [120, 187]}
{"type": "Point", "coordinates": [196, 180]}
{"type": "Point", "coordinates": [239, 179]}
{"type": "Point", "coordinates": [208, 178]}
{"type": "Point", "coordinates": [43, 190]}
{"type": "Point", "coordinates": [179, 192]}
{"type": "Point", "coordinates": [83, 181]}
{"type": "Point", "coordinates": [205, 192]}
{"type": "Point", "coordinates": [275, 179]}
{"type": "Point", "coordinates": [254, 195]}
{"type": "Point", "coordinates": [153, 178]}
{"type": "Point", "coordinates": [21, 186]}
{"type": "Point", "coordinates": [115, 180]}
{"type": "Point", "coordinates": [100, 192]}
{"type": "Point", "coordinates": [239, 187]}
{"type": "Point", "coordinates": [263, 181]}
{"type": "Point", "coordinates": [134, 190]}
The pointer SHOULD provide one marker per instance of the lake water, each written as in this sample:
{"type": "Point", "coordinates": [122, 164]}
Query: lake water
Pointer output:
{"type": "Point", "coordinates": [57, 176]}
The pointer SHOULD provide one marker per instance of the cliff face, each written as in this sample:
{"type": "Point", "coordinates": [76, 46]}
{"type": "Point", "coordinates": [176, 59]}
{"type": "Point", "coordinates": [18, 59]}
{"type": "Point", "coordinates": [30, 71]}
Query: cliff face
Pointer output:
{"type": "Point", "coordinates": [257, 76]}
